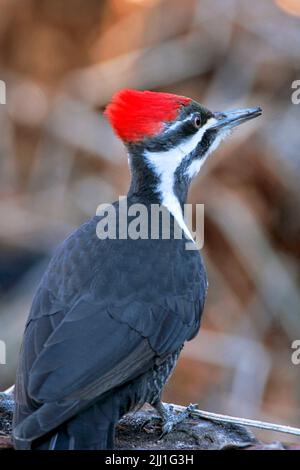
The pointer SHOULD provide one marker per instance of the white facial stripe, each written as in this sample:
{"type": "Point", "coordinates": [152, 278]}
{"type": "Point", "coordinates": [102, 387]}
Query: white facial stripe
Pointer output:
{"type": "Point", "coordinates": [190, 144]}
{"type": "Point", "coordinates": [166, 163]}
{"type": "Point", "coordinates": [176, 124]}
{"type": "Point", "coordinates": [196, 165]}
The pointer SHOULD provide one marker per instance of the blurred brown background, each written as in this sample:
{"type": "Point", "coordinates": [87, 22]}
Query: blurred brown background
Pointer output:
{"type": "Point", "coordinates": [61, 61]}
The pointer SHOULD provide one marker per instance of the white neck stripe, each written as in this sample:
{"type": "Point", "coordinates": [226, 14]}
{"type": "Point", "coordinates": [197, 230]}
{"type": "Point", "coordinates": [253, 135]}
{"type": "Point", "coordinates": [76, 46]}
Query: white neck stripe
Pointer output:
{"type": "Point", "coordinates": [165, 164]}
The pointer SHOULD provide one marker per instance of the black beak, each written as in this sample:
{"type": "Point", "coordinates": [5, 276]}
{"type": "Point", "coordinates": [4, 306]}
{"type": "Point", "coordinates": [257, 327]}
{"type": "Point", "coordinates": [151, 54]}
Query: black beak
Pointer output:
{"type": "Point", "coordinates": [230, 119]}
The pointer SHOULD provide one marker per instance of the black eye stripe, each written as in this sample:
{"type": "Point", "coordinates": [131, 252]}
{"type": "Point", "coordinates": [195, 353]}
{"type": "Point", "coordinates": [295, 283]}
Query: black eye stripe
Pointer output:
{"type": "Point", "coordinates": [192, 124]}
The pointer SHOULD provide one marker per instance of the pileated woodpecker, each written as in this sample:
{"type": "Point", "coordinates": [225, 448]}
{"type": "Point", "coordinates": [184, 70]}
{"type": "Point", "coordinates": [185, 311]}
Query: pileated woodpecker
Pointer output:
{"type": "Point", "coordinates": [110, 317]}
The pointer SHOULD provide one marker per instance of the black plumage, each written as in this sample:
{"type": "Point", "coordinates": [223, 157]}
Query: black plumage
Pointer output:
{"type": "Point", "coordinates": [104, 332]}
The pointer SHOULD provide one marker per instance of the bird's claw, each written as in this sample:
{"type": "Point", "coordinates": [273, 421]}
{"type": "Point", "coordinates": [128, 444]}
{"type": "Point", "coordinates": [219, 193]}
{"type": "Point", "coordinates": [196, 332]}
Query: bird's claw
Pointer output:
{"type": "Point", "coordinates": [171, 419]}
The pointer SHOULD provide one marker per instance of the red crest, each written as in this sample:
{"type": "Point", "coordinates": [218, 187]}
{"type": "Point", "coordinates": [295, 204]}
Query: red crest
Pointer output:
{"type": "Point", "coordinates": [137, 114]}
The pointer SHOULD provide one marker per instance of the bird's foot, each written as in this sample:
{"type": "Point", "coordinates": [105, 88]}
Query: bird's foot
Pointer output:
{"type": "Point", "coordinates": [171, 419]}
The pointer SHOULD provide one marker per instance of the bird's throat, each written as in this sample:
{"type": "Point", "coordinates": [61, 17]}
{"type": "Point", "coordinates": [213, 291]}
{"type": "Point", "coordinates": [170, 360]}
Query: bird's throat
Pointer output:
{"type": "Point", "coordinates": [150, 184]}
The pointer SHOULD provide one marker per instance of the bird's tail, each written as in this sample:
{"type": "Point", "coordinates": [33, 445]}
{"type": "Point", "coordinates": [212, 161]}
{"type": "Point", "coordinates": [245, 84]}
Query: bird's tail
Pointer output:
{"type": "Point", "coordinates": [90, 429]}
{"type": "Point", "coordinates": [65, 439]}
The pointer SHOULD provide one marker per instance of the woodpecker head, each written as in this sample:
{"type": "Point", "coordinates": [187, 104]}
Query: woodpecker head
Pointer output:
{"type": "Point", "coordinates": [168, 137]}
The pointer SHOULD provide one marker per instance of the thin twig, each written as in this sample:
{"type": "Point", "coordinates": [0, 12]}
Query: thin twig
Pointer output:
{"type": "Point", "coordinates": [9, 390]}
{"type": "Point", "coordinates": [228, 419]}
{"type": "Point", "coordinates": [242, 421]}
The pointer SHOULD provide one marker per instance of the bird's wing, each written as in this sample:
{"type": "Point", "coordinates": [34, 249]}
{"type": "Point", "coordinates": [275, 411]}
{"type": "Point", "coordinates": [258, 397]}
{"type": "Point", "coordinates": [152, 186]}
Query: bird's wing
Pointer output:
{"type": "Point", "coordinates": [96, 349]}
{"type": "Point", "coordinates": [88, 354]}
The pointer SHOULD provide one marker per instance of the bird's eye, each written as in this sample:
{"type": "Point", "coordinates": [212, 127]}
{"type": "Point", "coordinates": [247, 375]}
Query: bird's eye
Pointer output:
{"type": "Point", "coordinates": [197, 121]}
